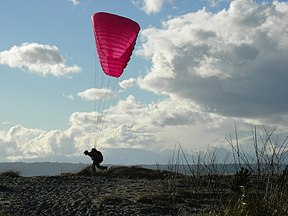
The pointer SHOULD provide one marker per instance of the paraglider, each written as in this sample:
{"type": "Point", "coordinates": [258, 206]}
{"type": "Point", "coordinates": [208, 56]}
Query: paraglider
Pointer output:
{"type": "Point", "coordinates": [115, 38]}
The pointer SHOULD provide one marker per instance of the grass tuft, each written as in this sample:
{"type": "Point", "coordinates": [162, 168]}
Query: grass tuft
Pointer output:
{"type": "Point", "coordinates": [10, 173]}
{"type": "Point", "coordinates": [131, 172]}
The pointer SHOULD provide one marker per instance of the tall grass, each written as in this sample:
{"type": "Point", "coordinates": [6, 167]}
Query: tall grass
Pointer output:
{"type": "Point", "coordinates": [259, 185]}
{"type": "Point", "coordinates": [263, 182]}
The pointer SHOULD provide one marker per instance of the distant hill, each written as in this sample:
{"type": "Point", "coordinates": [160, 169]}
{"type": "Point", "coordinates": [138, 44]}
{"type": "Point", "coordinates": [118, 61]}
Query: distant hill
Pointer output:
{"type": "Point", "coordinates": [54, 168]}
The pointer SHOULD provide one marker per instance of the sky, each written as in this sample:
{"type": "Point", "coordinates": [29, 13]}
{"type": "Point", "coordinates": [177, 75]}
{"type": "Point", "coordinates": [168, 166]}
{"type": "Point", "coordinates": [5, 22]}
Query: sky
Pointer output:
{"type": "Point", "coordinates": [199, 70]}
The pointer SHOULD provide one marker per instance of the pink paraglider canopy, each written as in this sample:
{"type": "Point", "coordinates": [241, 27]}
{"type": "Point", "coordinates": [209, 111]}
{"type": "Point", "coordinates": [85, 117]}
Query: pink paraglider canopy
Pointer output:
{"type": "Point", "coordinates": [115, 38]}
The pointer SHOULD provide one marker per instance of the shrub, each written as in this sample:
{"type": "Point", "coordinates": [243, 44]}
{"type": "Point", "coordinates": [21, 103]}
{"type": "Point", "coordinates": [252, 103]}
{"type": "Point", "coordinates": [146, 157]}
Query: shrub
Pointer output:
{"type": "Point", "coordinates": [241, 180]}
{"type": "Point", "coordinates": [10, 173]}
{"type": "Point", "coordinates": [84, 172]}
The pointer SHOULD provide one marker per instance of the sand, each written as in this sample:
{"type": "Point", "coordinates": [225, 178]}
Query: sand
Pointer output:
{"type": "Point", "coordinates": [117, 191]}
{"type": "Point", "coordinates": [97, 195]}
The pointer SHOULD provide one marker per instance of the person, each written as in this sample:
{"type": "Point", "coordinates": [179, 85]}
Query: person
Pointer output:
{"type": "Point", "coordinates": [97, 158]}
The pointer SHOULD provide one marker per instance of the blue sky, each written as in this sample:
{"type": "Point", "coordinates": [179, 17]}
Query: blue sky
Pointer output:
{"type": "Point", "coordinates": [198, 68]}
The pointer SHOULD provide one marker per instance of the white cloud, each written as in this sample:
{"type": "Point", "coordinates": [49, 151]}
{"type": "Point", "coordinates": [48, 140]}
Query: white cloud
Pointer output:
{"type": "Point", "coordinates": [70, 97]}
{"type": "Point", "coordinates": [125, 84]}
{"type": "Point", "coordinates": [129, 124]}
{"type": "Point", "coordinates": [6, 123]}
{"type": "Point", "coordinates": [151, 6]}
{"type": "Point", "coordinates": [166, 113]}
{"type": "Point", "coordinates": [75, 2]}
{"type": "Point", "coordinates": [155, 126]}
{"type": "Point", "coordinates": [17, 141]}
{"type": "Point", "coordinates": [84, 119]}
{"type": "Point", "coordinates": [216, 3]}
{"type": "Point", "coordinates": [39, 59]}
{"type": "Point", "coordinates": [20, 143]}
{"type": "Point", "coordinates": [233, 62]}
{"type": "Point", "coordinates": [96, 94]}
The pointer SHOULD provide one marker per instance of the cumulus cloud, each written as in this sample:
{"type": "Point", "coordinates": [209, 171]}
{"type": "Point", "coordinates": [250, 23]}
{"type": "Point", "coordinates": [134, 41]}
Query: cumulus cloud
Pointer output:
{"type": "Point", "coordinates": [20, 143]}
{"type": "Point", "coordinates": [233, 62]}
{"type": "Point", "coordinates": [151, 6]}
{"type": "Point", "coordinates": [96, 94]}
{"type": "Point", "coordinates": [154, 126]}
{"type": "Point", "coordinates": [17, 141]}
{"type": "Point", "coordinates": [39, 59]}
{"type": "Point", "coordinates": [129, 124]}
{"type": "Point", "coordinates": [166, 113]}
{"type": "Point", "coordinates": [125, 84]}
{"type": "Point", "coordinates": [84, 119]}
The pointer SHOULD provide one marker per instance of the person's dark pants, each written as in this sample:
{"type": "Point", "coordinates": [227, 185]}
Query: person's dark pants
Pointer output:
{"type": "Point", "coordinates": [96, 164]}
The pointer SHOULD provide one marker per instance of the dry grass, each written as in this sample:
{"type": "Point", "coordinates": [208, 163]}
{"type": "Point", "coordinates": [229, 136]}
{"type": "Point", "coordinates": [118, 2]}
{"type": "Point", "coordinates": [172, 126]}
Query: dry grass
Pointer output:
{"type": "Point", "coordinates": [10, 173]}
{"type": "Point", "coordinates": [131, 172]}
